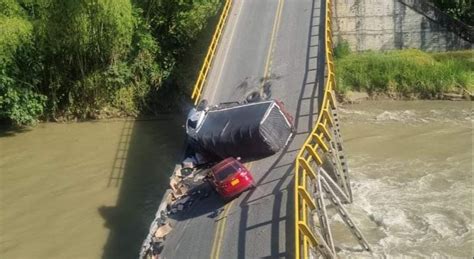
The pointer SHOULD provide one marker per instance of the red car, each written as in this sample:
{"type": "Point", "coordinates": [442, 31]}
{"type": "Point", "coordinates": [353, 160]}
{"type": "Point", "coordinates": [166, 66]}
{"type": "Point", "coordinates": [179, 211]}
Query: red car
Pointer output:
{"type": "Point", "coordinates": [230, 178]}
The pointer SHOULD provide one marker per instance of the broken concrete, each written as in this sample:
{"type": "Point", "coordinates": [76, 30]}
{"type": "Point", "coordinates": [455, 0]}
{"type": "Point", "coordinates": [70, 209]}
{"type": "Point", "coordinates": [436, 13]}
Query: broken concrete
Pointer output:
{"type": "Point", "coordinates": [162, 231]}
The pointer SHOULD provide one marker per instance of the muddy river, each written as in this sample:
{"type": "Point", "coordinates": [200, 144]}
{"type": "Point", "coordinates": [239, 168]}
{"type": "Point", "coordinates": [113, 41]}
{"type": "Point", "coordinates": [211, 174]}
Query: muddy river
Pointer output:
{"type": "Point", "coordinates": [89, 190]}
{"type": "Point", "coordinates": [411, 165]}
{"type": "Point", "coordinates": [83, 190]}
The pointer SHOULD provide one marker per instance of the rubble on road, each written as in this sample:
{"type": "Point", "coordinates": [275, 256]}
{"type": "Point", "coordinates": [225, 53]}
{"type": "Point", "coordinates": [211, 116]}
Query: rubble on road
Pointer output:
{"type": "Point", "coordinates": [163, 230]}
{"type": "Point", "coordinates": [185, 187]}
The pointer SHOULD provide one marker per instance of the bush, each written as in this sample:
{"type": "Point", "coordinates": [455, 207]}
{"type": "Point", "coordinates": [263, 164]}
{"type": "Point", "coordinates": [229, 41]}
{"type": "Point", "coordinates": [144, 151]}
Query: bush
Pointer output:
{"type": "Point", "coordinates": [21, 105]}
{"type": "Point", "coordinates": [405, 72]}
{"type": "Point", "coordinates": [342, 49]}
{"type": "Point", "coordinates": [19, 100]}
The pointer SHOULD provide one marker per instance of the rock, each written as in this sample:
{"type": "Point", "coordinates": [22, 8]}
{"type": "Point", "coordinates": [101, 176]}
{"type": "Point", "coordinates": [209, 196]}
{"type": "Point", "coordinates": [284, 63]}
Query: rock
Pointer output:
{"type": "Point", "coordinates": [199, 178]}
{"type": "Point", "coordinates": [354, 97]}
{"type": "Point", "coordinates": [177, 170]}
{"type": "Point", "coordinates": [189, 162]}
{"type": "Point", "coordinates": [164, 230]}
{"type": "Point", "coordinates": [215, 213]}
{"type": "Point", "coordinates": [453, 96]}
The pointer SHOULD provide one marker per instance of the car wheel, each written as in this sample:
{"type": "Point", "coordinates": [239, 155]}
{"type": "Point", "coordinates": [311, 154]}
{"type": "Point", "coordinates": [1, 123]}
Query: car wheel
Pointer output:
{"type": "Point", "coordinates": [254, 96]}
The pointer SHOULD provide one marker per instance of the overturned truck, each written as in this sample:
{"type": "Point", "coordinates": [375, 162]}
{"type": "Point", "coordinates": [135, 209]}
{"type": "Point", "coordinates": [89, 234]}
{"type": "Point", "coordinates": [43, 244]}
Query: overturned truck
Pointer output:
{"type": "Point", "coordinates": [249, 131]}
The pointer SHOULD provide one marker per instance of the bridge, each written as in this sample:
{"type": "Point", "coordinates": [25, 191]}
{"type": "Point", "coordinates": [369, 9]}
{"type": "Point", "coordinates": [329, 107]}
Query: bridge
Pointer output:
{"type": "Point", "coordinates": [283, 50]}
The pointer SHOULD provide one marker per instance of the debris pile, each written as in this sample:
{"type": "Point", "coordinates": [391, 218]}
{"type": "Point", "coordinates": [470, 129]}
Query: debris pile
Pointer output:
{"type": "Point", "coordinates": [186, 186]}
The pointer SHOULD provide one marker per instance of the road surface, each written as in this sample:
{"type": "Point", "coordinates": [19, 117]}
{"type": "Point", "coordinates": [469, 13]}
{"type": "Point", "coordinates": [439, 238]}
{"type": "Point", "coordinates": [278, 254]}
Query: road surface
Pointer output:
{"type": "Point", "coordinates": [271, 46]}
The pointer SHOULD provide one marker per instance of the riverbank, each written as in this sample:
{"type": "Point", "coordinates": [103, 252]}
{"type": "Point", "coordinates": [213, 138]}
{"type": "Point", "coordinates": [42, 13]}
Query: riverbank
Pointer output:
{"type": "Point", "coordinates": [405, 74]}
{"type": "Point", "coordinates": [354, 97]}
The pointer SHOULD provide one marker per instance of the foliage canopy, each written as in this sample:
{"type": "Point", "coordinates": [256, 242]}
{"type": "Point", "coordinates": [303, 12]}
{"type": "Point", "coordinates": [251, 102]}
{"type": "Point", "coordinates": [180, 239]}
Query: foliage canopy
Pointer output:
{"type": "Point", "coordinates": [462, 10]}
{"type": "Point", "coordinates": [79, 57]}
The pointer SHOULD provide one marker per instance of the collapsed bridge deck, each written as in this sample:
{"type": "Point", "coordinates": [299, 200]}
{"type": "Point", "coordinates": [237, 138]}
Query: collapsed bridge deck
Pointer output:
{"type": "Point", "coordinates": [277, 48]}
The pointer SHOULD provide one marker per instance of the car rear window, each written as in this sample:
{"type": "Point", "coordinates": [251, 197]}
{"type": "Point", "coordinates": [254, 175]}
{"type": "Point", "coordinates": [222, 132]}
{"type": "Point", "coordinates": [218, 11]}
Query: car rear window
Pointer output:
{"type": "Point", "coordinates": [225, 172]}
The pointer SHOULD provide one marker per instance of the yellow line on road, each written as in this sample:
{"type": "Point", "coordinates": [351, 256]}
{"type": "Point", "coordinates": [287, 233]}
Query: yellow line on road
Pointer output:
{"type": "Point", "coordinates": [276, 26]}
{"type": "Point", "coordinates": [215, 238]}
{"type": "Point", "coordinates": [221, 233]}
{"type": "Point", "coordinates": [219, 75]}
{"type": "Point", "coordinates": [220, 229]}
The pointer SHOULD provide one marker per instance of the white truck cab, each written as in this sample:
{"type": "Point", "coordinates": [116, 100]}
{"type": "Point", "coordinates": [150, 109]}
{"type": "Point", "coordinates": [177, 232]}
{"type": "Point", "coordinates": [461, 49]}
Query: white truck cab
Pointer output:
{"type": "Point", "coordinates": [194, 120]}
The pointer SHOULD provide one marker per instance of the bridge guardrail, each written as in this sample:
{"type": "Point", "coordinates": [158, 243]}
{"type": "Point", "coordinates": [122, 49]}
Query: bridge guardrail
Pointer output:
{"type": "Point", "coordinates": [316, 144]}
{"type": "Point", "coordinates": [197, 90]}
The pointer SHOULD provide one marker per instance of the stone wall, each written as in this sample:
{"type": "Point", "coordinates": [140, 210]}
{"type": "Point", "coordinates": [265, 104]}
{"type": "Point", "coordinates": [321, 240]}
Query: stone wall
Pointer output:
{"type": "Point", "coordinates": [393, 24]}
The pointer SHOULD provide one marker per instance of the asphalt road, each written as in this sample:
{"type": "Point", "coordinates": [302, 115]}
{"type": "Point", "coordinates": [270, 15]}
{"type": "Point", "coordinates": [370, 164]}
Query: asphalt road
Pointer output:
{"type": "Point", "coordinates": [271, 46]}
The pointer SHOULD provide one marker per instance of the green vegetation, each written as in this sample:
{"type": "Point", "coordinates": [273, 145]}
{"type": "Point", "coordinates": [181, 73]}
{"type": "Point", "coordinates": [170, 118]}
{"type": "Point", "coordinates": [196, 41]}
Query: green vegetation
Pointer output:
{"type": "Point", "coordinates": [462, 10]}
{"type": "Point", "coordinates": [406, 73]}
{"type": "Point", "coordinates": [78, 58]}
{"type": "Point", "coordinates": [342, 50]}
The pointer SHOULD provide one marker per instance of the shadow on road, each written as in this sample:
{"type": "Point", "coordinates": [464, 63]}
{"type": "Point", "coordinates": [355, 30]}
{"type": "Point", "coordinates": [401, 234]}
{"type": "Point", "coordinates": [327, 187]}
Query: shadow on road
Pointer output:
{"type": "Point", "coordinates": [311, 91]}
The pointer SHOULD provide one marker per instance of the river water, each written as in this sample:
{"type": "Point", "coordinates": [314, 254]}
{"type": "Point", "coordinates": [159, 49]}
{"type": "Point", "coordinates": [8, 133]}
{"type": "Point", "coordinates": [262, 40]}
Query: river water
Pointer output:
{"type": "Point", "coordinates": [83, 190]}
{"type": "Point", "coordinates": [89, 190]}
{"type": "Point", "coordinates": [411, 167]}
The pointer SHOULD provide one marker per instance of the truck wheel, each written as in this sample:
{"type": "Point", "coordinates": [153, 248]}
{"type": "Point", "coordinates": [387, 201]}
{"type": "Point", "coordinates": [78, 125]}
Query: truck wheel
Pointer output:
{"type": "Point", "coordinates": [253, 97]}
{"type": "Point", "coordinates": [201, 105]}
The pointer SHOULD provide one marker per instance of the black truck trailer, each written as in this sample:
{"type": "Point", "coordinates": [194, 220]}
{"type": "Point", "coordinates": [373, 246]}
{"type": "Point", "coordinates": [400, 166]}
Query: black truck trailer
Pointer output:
{"type": "Point", "coordinates": [250, 131]}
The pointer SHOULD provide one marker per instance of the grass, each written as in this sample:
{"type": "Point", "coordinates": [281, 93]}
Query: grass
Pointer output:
{"type": "Point", "coordinates": [406, 73]}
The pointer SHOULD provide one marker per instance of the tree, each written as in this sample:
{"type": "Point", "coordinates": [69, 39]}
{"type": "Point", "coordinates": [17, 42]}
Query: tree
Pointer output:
{"type": "Point", "coordinates": [462, 10]}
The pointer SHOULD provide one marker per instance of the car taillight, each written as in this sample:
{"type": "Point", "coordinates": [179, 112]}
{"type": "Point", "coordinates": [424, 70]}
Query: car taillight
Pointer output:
{"type": "Point", "coordinates": [244, 175]}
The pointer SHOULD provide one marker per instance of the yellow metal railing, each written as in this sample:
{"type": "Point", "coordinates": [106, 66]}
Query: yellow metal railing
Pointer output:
{"type": "Point", "coordinates": [198, 86]}
{"type": "Point", "coordinates": [311, 153]}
